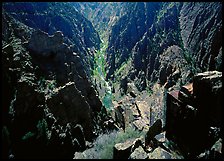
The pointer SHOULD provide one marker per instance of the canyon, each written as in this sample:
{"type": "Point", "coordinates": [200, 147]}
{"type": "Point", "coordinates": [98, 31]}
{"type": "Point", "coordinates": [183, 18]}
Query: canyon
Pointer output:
{"type": "Point", "coordinates": [112, 80]}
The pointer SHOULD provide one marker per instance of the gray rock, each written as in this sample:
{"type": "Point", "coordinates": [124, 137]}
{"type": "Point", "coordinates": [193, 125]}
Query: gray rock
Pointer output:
{"type": "Point", "coordinates": [68, 105]}
{"type": "Point", "coordinates": [43, 44]}
{"type": "Point", "coordinates": [207, 89]}
{"type": "Point", "coordinates": [122, 150]}
{"type": "Point", "coordinates": [159, 153]}
{"type": "Point", "coordinates": [138, 153]}
{"type": "Point", "coordinates": [119, 116]}
{"type": "Point", "coordinates": [154, 130]}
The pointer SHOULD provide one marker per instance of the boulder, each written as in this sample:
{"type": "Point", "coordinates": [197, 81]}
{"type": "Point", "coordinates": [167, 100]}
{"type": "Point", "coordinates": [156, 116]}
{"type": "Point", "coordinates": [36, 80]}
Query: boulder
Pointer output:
{"type": "Point", "coordinates": [119, 116]}
{"type": "Point", "coordinates": [122, 150]}
{"type": "Point", "coordinates": [141, 124]}
{"type": "Point", "coordinates": [138, 153]}
{"type": "Point", "coordinates": [190, 110]}
{"type": "Point", "coordinates": [154, 130]}
{"type": "Point", "coordinates": [207, 89]}
{"type": "Point", "coordinates": [78, 134]}
{"type": "Point", "coordinates": [161, 137]}
{"type": "Point", "coordinates": [160, 153]}
{"type": "Point", "coordinates": [180, 119]}
{"type": "Point", "coordinates": [186, 94]}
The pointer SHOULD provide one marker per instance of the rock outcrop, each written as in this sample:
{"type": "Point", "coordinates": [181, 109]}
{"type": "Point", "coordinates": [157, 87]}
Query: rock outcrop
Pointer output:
{"type": "Point", "coordinates": [49, 100]}
{"type": "Point", "coordinates": [55, 59]}
{"type": "Point", "coordinates": [129, 28]}
{"type": "Point", "coordinates": [154, 130]}
{"type": "Point", "coordinates": [202, 37]}
{"type": "Point", "coordinates": [207, 90]}
{"type": "Point", "coordinates": [52, 17]}
{"type": "Point", "coordinates": [169, 32]}
{"type": "Point", "coordinates": [138, 153]}
{"type": "Point", "coordinates": [194, 113]}
{"type": "Point", "coordinates": [68, 105]}
{"type": "Point", "coordinates": [122, 150]}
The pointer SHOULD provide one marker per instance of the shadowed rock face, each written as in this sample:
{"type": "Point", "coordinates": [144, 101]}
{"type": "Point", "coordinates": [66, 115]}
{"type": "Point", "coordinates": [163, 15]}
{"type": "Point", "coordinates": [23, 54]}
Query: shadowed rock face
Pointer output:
{"type": "Point", "coordinates": [68, 105]}
{"type": "Point", "coordinates": [38, 113]}
{"type": "Point", "coordinates": [191, 32]}
{"type": "Point", "coordinates": [55, 58]}
{"type": "Point", "coordinates": [51, 109]}
{"type": "Point", "coordinates": [53, 17]}
{"type": "Point", "coordinates": [195, 123]}
{"type": "Point", "coordinates": [207, 89]}
{"type": "Point", "coordinates": [127, 31]}
{"type": "Point", "coordinates": [44, 44]}
{"type": "Point", "coordinates": [201, 32]}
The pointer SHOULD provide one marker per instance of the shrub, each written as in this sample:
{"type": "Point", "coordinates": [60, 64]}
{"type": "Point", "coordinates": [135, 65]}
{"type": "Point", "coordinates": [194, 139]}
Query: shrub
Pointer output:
{"type": "Point", "coordinates": [42, 128]}
{"type": "Point", "coordinates": [103, 146]}
{"type": "Point", "coordinates": [28, 135]}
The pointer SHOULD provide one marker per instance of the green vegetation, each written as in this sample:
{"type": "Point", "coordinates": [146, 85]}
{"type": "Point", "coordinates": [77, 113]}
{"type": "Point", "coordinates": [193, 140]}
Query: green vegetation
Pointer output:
{"type": "Point", "coordinates": [129, 133]}
{"type": "Point", "coordinates": [103, 148]}
{"type": "Point", "coordinates": [123, 66]}
{"type": "Point", "coordinates": [99, 74]}
{"type": "Point", "coordinates": [42, 128]}
{"type": "Point", "coordinates": [165, 9]}
{"type": "Point", "coordinates": [28, 135]}
{"type": "Point", "coordinates": [123, 69]}
{"type": "Point", "coordinates": [190, 60]}
{"type": "Point", "coordinates": [100, 62]}
{"type": "Point", "coordinates": [149, 91]}
{"type": "Point", "coordinates": [47, 86]}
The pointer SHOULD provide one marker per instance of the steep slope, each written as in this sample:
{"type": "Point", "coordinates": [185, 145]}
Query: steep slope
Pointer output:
{"type": "Point", "coordinates": [102, 15]}
{"type": "Point", "coordinates": [127, 31]}
{"type": "Point", "coordinates": [52, 17]}
{"type": "Point", "coordinates": [201, 32]}
{"type": "Point", "coordinates": [49, 100]}
{"type": "Point", "coordinates": [57, 99]}
{"type": "Point", "coordinates": [167, 24]}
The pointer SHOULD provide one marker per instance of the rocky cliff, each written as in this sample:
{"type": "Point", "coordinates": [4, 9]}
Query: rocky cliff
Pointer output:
{"type": "Point", "coordinates": [148, 72]}
{"type": "Point", "coordinates": [127, 31]}
{"type": "Point", "coordinates": [49, 100]}
{"type": "Point", "coordinates": [52, 17]}
{"type": "Point", "coordinates": [102, 15]}
{"type": "Point", "coordinates": [141, 42]}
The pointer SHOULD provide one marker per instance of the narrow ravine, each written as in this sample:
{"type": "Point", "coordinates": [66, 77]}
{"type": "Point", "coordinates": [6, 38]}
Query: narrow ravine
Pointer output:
{"type": "Point", "coordinates": [99, 74]}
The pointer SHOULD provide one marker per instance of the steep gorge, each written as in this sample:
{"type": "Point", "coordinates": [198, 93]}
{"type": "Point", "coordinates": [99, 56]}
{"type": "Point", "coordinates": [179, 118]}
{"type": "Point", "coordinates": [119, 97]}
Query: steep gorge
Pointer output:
{"type": "Point", "coordinates": [98, 78]}
{"type": "Point", "coordinates": [171, 24]}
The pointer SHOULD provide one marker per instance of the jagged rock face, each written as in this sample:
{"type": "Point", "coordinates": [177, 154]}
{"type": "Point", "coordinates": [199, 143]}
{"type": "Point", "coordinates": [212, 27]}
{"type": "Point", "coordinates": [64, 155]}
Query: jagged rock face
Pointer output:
{"type": "Point", "coordinates": [33, 116]}
{"type": "Point", "coordinates": [70, 106]}
{"type": "Point", "coordinates": [186, 31]}
{"type": "Point", "coordinates": [207, 89]}
{"type": "Point", "coordinates": [52, 17]}
{"type": "Point", "coordinates": [102, 15]}
{"type": "Point", "coordinates": [201, 32]}
{"type": "Point", "coordinates": [127, 31]}
{"type": "Point", "coordinates": [53, 56]}
{"type": "Point", "coordinates": [200, 113]}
